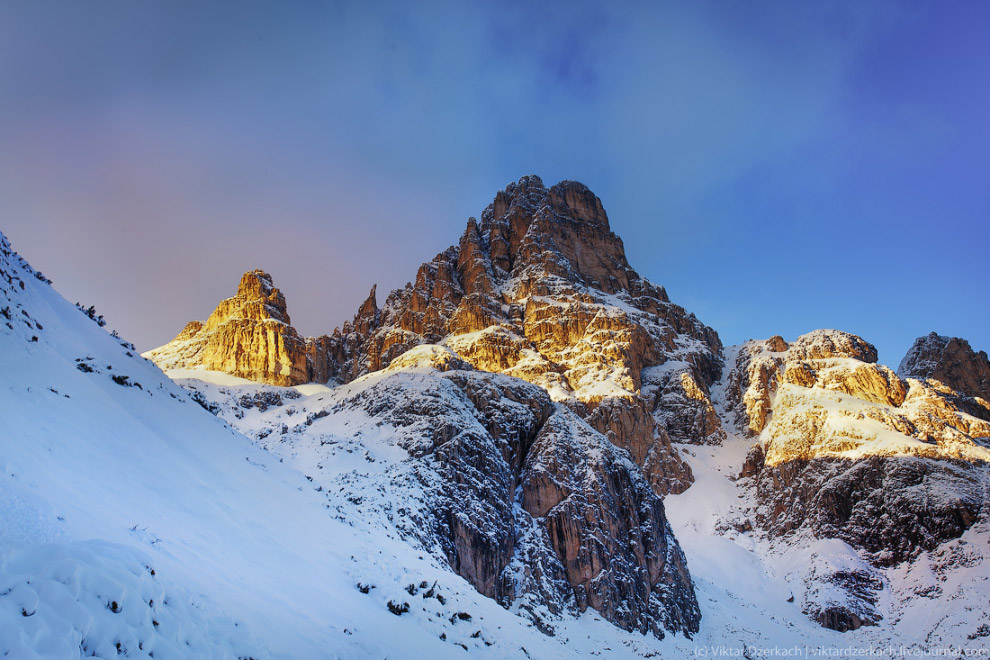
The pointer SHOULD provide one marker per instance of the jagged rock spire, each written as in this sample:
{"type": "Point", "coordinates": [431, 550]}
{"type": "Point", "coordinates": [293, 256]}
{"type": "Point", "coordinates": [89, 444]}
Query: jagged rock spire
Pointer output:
{"type": "Point", "coordinates": [248, 335]}
{"type": "Point", "coordinates": [539, 289]}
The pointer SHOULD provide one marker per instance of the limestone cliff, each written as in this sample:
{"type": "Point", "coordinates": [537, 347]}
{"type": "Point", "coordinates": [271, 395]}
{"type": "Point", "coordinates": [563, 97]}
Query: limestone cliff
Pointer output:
{"type": "Point", "coordinates": [248, 335]}
{"type": "Point", "coordinates": [848, 449]}
{"type": "Point", "coordinates": [539, 289]}
{"type": "Point", "coordinates": [953, 363]}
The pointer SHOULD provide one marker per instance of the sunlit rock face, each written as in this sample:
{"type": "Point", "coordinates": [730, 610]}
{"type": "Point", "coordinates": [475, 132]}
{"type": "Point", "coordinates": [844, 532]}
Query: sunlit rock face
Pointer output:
{"type": "Point", "coordinates": [847, 449]}
{"type": "Point", "coordinates": [248, 335]}
{"type": "Point", "coordinates": [539, 289]}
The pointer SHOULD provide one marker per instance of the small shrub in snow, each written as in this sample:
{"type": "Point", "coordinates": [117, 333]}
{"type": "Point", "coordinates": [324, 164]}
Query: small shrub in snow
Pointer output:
{"type": "Point", "coordinates": [202, 401]}
{"type": "Point", "coordinates": [397, 609]}
{"type": "Point", "coordinates": [91, 313]}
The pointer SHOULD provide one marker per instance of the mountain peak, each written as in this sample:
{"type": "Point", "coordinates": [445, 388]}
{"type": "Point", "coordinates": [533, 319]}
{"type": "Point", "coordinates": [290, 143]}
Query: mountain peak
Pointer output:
{"type": "Point", "coordinates": [575, 200]}
{"type": "Point", "coordinates": [255, 284]}
{"type": "Point", "coordinates": [249, 335]}
{"type": "Point", "coordinates": [539, 289]}
{"type": "Point", "coordinates": [531, 232]}
{"type": "Point", "coordinates": [950, 360]}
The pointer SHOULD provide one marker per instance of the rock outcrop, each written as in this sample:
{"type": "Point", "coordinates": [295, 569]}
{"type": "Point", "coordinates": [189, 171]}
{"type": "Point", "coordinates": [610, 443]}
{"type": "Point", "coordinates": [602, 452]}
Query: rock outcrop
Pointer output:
{"type": "Point", "coordinates": [248, 335]}
{"type": "Point", "coordinates": [539, 289]}
{"type": "Point", "coordinates": [953, 363]}
{"type": "Point", "coordinates": [517, 493]}
{"type": "Point", "coordinates": [848, 450]}
{"type": "Point", "coordinates": [950, 360]}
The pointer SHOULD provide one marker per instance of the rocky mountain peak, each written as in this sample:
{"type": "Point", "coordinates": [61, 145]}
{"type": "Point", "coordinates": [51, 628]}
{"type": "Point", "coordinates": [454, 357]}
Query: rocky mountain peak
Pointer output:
{"type": "Point", "coordinates": [248, 335]}
{"type": "Point", "coordinates": [826, 344]}
{"type": "Point", "coordinates": [255, 283]}
{"type": "Point", "coordinates": [257, 299]}
{"type": "Point", "coordinates": [539, 289]}
{"type": "Point", "coordinates": [950, 360]}
{"type": "Point", "coordinates": [529, 230]}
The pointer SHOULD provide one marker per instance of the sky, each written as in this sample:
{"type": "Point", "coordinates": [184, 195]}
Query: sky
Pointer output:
{"type": "Point", "coordinates": [777, 166]}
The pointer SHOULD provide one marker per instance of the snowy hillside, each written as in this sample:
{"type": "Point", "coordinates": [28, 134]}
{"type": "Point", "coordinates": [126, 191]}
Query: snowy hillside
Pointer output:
{"type": "Point", "coordinates": [432, 509]}
{"type": "Point", "coordinates": [133, 523]}
{"type": "Point", "coordinates": [754, 591]}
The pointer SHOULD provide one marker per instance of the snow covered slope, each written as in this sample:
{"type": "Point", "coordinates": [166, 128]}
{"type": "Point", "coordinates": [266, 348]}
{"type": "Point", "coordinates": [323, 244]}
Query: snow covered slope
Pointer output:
{"type": "Point", "coordinates": [530, 504]}
{"type": "Point", "coordinates": [134, 523]}
{"type": "Point", "coordinates": [756, 592]}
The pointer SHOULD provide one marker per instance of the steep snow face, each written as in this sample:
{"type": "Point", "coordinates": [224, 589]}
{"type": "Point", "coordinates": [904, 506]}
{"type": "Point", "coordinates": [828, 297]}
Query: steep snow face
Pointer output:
{"type": "Point", "coordinates": [531, 505]}
{"type": "Point", "coordinates": [133, 522]}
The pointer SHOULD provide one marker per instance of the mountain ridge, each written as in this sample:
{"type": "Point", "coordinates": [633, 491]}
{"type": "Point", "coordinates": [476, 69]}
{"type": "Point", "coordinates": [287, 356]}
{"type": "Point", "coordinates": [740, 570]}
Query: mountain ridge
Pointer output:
{"type": "Point", "coordinates": [541, 421]}
{"type": "Point", "coordinates": [540, 289]}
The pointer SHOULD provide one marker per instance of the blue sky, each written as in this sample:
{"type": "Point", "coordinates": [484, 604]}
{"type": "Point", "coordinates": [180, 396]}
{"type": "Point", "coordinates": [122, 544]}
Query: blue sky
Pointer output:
{"type": "Point", "coordinates": [778, 166]}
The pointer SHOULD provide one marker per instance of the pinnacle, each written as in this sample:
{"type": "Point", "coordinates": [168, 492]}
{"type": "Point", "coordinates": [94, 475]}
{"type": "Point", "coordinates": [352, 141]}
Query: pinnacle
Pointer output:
{"type": "Point", "coordinates": [255, 284]}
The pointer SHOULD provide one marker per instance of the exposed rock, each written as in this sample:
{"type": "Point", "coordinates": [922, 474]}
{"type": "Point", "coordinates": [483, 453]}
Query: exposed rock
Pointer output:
{"type": "Point", "coordinates": [825, 344]}
{"type": "Point", "coordinates": [682, 404]}
{"type": "Point", "coordinates": [755, 459]}
{"type": "Point", "coordinates": [628, 424]}
{"type": "Point", "coordinates": [752, 382]}
{"type": "Point", "coordinates": [609, 530]}
{"type": "Point", "coordinates": [870, 382]}
{"type": "Point", "coordinates": [540, 289]}
{"type": "Point", "coordinates": [248, 335]}
{"type": "Point", "coordinates": [890, 507]}
{"type": "Point", "coordinates": [952, 362]}
{"type": "Point", "coordinates": [586, 530]}
{"type": "Point", "coordinates": [848, 450]}
{"type": "Point", "coordinates": [842, 591]}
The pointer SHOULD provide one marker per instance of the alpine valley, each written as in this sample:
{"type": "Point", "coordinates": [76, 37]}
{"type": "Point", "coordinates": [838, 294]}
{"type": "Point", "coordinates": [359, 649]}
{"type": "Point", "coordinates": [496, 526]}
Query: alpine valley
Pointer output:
{"type": "Point", "coordinates": [529, 451]}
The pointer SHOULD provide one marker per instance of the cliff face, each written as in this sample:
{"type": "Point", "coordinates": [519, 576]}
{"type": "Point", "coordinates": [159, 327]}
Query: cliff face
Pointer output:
{"type": "Point", "coordinates": [517, 494]}
{"type": "Point", "coordinates": [248, 335]}
{"type": "Point", "coordinates": [541, 290]}
{"type": "Point", "coordinates": [848, 449]}
{"type": "Point", "coordinates": [891, 464]}
{"type": "Point", "coordinates": [953, 363]}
